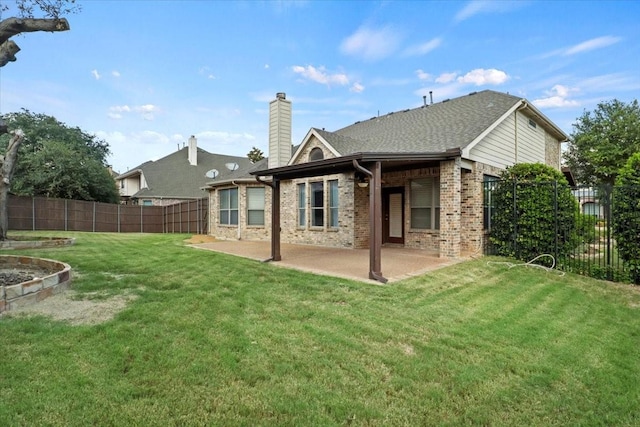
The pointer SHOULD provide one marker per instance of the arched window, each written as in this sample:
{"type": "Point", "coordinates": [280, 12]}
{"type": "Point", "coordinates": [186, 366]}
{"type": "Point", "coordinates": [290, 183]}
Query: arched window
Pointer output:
{"type": "Point", "coordinates": [316, 154]}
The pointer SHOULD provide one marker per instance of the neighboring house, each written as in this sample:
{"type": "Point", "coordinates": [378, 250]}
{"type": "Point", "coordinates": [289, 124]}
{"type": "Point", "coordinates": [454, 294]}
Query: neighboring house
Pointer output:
{"type": "Point", "coordinates": [589, 202]}
{"type": "Point", "coordinates": [177, 177]}
{"type": "Point", "coordinates": [411, 178]}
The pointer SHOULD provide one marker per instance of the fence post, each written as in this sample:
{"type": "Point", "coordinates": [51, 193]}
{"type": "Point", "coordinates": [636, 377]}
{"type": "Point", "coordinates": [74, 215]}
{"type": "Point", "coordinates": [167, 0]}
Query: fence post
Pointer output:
{"type": "Point", "coordinates": [555, 211]}
{"type": "Point", "coordinates": [141, 219]}
{"type": "Point", "coordinates": [66, 215]}
{"type": "Point", "coordinates": [515, 219]}
{"type": "Point", "coordinates": [607, 219]}
{"type": "Point", "coordinates": [33, 214]}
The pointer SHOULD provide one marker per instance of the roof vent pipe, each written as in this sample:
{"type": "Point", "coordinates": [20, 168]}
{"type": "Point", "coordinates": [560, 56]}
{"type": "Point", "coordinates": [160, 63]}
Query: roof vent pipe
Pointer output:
{"type": "Point", "coordinates": [431, 96]}
{"type": "Point", "coordinates": [424, 100]}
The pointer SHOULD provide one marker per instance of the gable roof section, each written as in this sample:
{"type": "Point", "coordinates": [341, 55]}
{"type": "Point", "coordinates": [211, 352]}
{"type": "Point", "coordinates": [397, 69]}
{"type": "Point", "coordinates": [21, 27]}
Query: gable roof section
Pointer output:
{"type": "Point", "coordinates": [323, 136]}
{"type": "Point", "coordinates": [173, 177]}
{"type": "Point", "coordinates": [436, 128]}
{"type": "Point", "coordinates": [244, 174]}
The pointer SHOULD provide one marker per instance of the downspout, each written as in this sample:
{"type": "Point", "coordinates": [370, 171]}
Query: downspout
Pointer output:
{"type": "Point", "coordinates": [239, 230]}
{"type": "Point", "coordinates": [375, 222]}
{"type": "Point", "coordinates": [275, 218]}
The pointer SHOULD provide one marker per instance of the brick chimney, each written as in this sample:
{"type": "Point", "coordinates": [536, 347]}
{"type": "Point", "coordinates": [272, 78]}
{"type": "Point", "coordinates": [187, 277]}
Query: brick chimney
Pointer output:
{"type": "Point", "coordinates": [279, 131]}
{"type": "Point", "coordinates": [193, 151]}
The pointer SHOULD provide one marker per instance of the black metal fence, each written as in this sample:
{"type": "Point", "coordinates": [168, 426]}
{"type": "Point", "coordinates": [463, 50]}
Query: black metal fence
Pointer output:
{"type": "Point", "coordinates": [586, 247]}
{"type": "Point", "coordinates": [40, 213]}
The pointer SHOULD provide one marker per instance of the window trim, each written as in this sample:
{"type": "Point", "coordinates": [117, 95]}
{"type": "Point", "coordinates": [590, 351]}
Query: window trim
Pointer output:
{"type": "Point", "coordinates": [313, 208]}
{"type": "Point", "coordinates": [316, 154]}
{"type": "Point", "coordinates": [302, 205]}
{"type": "Point", "coordinates": [433, 206]}
{"type": "Point", "coordinates": [230, 209]}
{"type": "Point", "coordinates": [249, 209]}
{"type": "Point", "coordinates": [333, 205]}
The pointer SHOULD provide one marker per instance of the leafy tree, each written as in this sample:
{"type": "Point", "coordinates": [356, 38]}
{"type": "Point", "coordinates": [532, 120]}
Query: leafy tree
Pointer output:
{"type": "Point", "coordinates": [603, 140]}
{"type": "Point", "coordinates": [534, 214]}
{"type": "Point", "coordinates": [626, 215]}
{"type": "Point", "coordinates": [255, 155]}
{"type": "Point", "coordinates": [56, 160]}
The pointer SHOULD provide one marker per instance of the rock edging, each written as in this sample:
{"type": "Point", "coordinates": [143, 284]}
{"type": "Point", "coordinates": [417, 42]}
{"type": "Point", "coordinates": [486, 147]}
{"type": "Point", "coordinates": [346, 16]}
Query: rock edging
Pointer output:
{"type": "Point", "coordinates": [26, 293]}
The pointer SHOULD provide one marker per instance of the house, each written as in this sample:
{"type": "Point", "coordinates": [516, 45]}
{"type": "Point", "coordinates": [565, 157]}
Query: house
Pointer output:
{"type": "Point", "coordinates": [410, 178]}
{"type": "Point", "coordinates": [177, 177]}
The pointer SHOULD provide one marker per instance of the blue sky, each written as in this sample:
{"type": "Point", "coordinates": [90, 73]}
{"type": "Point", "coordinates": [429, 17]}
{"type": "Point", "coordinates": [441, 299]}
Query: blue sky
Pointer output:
{"type": "Point", "coordinates": [145, 75]}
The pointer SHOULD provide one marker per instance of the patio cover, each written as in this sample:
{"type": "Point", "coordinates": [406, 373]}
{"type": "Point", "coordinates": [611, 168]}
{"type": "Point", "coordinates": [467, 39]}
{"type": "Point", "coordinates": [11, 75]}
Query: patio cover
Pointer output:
{"type": "Point", "coordinates": [370, 164]}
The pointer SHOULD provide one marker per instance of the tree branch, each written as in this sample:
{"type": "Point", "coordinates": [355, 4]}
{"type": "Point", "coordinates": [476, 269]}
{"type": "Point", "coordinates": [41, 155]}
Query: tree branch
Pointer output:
{"type": "Point", "coordinates": [12, 26]}
{"type": "Point", "coordinates": [8, 52]}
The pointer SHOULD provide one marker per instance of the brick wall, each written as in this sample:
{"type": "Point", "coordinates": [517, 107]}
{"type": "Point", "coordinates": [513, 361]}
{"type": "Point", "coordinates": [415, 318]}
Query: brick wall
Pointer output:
{"type": "Point", "coordinates": [461, 204]}
{"type": "Point", "coordinates": [450, 208]}
{"type": "Point", "coordinates": [552, 151]}
{"type": "Point", "coordinates": [342, 236]}
{"type": "Point", "coordinates": [243, 231]}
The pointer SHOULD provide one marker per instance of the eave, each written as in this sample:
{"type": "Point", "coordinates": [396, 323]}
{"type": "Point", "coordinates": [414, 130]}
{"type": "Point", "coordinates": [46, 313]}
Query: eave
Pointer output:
{"type": "Point", "coordinates": [345, 163]}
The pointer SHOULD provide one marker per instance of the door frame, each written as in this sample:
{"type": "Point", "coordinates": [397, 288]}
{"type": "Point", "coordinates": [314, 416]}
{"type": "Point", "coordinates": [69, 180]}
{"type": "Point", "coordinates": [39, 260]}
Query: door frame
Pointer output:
{"type": "Point", "coordinates": [386, 192]}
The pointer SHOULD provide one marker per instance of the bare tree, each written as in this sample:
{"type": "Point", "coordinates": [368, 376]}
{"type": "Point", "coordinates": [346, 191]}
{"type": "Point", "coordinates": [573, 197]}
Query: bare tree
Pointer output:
{"type": "Point", "coordinates": [25, 22]}
{"type": "Point", "coordinates": [7, 162]}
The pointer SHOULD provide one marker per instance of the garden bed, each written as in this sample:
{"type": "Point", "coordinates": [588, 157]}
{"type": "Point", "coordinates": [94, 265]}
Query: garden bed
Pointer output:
{"type": "Point", "coordinates": [28, 280]}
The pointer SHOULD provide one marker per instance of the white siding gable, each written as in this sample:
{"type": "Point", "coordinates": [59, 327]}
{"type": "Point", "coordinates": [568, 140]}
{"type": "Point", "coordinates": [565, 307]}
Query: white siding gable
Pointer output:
{"type": "Point", "coordinates": [512, 141]}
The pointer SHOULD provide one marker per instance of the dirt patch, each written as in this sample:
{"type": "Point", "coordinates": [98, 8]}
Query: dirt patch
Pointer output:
{"type": "Point", "coordinates": [68, 307]}
{"type": "Point", "coordinates": [200, 238]}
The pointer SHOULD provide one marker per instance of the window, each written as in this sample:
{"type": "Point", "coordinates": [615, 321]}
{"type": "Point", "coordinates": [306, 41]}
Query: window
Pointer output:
{"type": "Point", "coordinates": [333, 204]}
{"type": "Point", "coordinates": [425, 203]}
{"type": "Point", "coordinates": [317, 204]}
{"type": "Point", "coordinates": [229, 206]}
{"type": "Point", "coordinates": [302, 206]}
{"type": "Point", "coordinates": [316, 154]}
{"type": "Point", "coordinates": [255, 206]}
{"type": "Point", "coordinates": [488, 205]}
{"type": "Point", "coordinates": [147, 203]}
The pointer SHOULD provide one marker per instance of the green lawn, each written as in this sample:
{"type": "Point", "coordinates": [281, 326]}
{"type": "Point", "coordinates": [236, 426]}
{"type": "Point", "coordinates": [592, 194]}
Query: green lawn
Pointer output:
{"type": "Point", "coordinates": [218, 340]}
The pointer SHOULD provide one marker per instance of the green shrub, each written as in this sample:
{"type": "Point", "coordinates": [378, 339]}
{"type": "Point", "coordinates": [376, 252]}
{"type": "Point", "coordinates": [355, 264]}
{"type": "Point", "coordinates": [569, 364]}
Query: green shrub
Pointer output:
{"type": "Point", "coordinates": [585, 229]}
{"type": "Point", "coordinates": [535, 213]}
{"type": "Point", "coordinates": [626, 215]}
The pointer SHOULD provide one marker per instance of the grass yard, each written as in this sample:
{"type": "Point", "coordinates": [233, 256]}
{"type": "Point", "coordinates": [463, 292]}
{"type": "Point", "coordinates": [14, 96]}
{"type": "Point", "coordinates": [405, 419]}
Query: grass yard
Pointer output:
{"type": "Point", "coordinates": [213, 339]}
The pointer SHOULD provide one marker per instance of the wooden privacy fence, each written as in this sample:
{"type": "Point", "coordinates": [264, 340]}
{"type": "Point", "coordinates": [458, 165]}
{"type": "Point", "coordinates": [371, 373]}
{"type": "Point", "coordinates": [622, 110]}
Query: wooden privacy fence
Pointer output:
{"type": "Point", "coordinates": [39, 213]}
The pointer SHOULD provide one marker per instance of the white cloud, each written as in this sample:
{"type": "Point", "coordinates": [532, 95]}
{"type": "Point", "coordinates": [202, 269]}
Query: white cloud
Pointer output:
{"type": "Point", "coordinates": [95, 74]}
{"type": "Point", "coordinates": [592, 44]}
{"type": "Point", "coordinates": [206, 71]}
{"type": "Point", "coordinates": [371, 44]}
{"type": "Point", "coordinates": [445, 78]}
{"type": "Point", "coordinates": [557, 97]}
{"type": "Point", "coordinates": [423, 48]}
{"type": "Point", "coordinates": [357, 88]}
{"type": "Point", "coordinates": [320, 75]}
{"type": "Point", "coordinates": [480, 77]}
{"type": "Point", "coordinates": [146, 111]}
{"type": "Point", "coordinates": [477, 7]}
{"type": "Point", "coordinates": [223, 138]}
{"type": "Point", "coordinates": [266, 66]}
{"type": "Point", "coordinates": [422, 75]}
{"type": "Point", "coordinates": [115, 73]}
{"type": "Point", "coordinates": [120, 108]}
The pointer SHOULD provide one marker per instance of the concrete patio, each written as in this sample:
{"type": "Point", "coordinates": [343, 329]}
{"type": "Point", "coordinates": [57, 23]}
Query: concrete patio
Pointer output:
{"type": "Point", "coordinates": [397, 263]}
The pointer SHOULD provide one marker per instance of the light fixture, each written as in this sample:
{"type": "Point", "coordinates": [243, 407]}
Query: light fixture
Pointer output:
{"type": "Point", "coordinates": [362, 182]}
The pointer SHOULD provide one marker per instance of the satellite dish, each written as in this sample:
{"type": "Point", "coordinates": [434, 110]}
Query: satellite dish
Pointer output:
{"type": "Point", "coordinates": [213, 173]}
{"type": "Point", "coordinates": [232, 166]}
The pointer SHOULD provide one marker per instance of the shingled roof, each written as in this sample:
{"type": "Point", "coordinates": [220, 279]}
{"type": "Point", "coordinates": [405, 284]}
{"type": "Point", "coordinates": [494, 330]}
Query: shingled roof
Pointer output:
{"type": "Point", "coordinates": [435, 128]}
{"type": "Point", "coordinates": [173, 177]}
